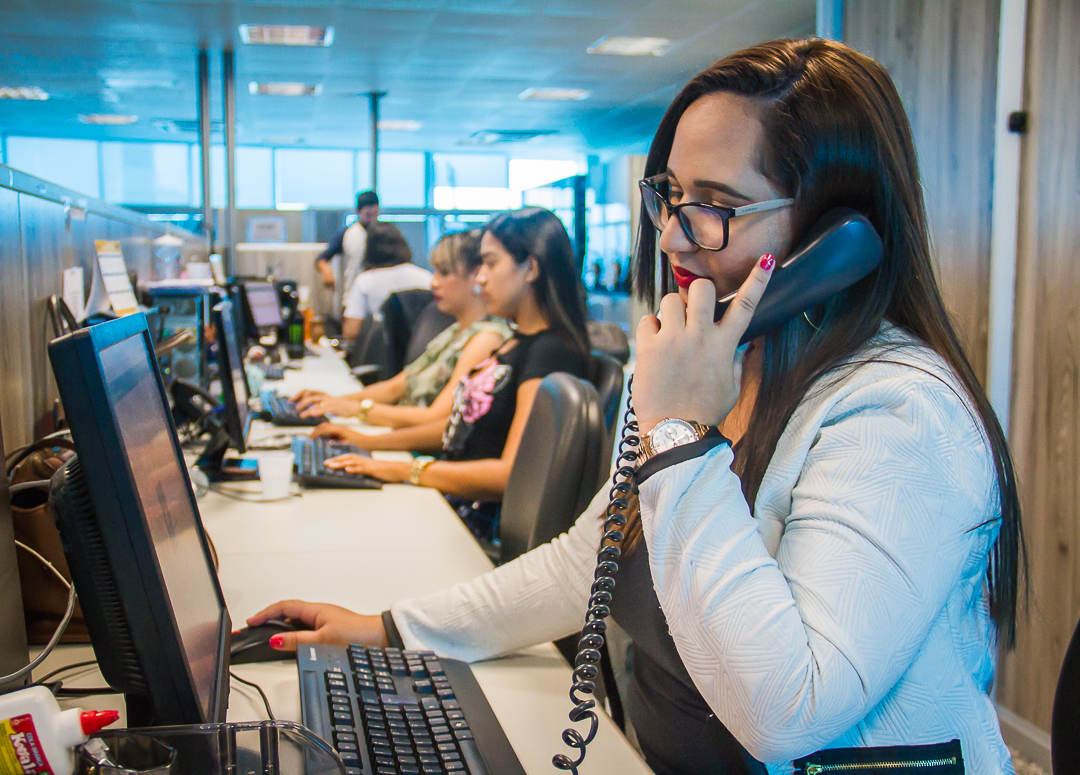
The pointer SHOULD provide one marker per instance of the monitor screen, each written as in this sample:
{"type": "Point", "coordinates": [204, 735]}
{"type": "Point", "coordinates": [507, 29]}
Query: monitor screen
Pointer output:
{"type": "Point", "coordinates": [137, 551]}
{"type": "Point", "coordinates": [234, 386]}
{"type": "Point", "coordinates": [263, 300]}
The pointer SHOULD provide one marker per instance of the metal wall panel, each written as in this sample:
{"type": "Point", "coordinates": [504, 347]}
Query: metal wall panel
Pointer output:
{"type": "Point", "coordinates": [14, 354]}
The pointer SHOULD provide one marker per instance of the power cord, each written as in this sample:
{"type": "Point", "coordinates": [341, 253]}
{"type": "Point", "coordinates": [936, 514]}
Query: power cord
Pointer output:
{"type": "Point", "coordinates": [257, 688]}
{"type": "Point", "coordinates": [18, 675]}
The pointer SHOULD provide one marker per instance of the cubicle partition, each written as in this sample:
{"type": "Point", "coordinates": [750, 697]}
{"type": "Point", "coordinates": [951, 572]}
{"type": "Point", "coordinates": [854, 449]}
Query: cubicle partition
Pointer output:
{"type": "Point", "coordinates": [45, 229]}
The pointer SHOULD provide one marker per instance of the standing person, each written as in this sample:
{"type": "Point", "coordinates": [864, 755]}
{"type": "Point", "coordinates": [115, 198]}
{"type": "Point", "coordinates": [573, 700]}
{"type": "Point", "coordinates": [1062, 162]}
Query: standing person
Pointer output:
{"type": "Point", "coordinates": [350, 243]}
{"type": "Point", "coordinates": [842, 575]}
{"type": "Point", "coordinates": [387, 268]}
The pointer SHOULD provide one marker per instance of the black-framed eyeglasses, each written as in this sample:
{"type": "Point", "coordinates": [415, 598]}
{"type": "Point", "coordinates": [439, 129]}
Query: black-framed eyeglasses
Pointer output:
{"type": "Point", "coordinates": [706, 225]}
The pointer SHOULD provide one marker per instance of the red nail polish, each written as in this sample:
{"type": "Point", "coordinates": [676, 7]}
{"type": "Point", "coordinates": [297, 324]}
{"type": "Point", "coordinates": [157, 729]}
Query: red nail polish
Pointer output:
{"type": "Point", "coordinates": [276, 642]}
{"type": "Point", "coordinates": [767, 261]}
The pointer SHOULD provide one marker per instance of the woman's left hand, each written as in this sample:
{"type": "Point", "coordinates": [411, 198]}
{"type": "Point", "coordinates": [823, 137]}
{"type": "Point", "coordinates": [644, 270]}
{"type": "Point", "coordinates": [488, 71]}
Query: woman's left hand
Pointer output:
{"type": "Point", "coordinates": [689, 367]}
{"type": "Point", "coordinates": [388, 470]}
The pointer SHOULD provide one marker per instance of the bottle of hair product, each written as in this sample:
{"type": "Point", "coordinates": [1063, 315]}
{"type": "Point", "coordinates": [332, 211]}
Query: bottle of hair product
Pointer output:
{"type": "Point", "coordinates": [37, 737]}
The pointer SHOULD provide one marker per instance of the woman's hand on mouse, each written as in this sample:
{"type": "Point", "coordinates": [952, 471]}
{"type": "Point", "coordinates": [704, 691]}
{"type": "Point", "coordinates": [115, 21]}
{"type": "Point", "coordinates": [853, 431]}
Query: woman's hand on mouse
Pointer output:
{"type": "Point", "coordinates": [689, 367]}
{"type": "Point", "coordinates": [325, 623]}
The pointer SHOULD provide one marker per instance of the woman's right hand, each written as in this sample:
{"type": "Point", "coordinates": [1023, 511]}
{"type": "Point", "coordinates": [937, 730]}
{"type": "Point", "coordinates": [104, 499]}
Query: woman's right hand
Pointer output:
{"type": "Point", "coordinates": [325, 623]}
{"type": "Point", "coordinates": [306, 398]}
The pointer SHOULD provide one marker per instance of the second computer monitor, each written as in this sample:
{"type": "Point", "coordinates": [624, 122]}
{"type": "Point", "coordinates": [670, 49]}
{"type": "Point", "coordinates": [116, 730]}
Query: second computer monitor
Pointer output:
{"type": "Point", "coordinates": [264, 305]}
{"type": "Point", "coordinates": [234, 388]}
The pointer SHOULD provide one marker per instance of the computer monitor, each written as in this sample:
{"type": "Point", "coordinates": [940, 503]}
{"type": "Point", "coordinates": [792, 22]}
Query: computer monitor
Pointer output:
{"type": "Point", "coordinates": [263, 303]}
{"type": "Point", "coordinates": [132, 534]}
{"type": "Point", "coordinates": [234, 392]}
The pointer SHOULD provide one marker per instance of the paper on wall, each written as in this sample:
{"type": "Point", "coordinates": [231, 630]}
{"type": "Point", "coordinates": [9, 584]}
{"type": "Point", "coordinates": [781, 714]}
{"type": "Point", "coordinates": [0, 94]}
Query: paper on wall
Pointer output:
{"type": "Point", "coordinates": [110, 289]}
{"type": "Point", "coordinates": [74, 295]}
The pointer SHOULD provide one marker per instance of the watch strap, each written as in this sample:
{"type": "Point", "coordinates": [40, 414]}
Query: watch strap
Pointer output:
{"type": "Point", "coordinates": [711, 439]}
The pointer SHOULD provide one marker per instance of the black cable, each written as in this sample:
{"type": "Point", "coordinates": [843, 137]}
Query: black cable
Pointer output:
{"type": "Point", "coordinates": [589, 655]}
{"type": "Point", "coordinates": [258, 688]}
{"type": "Point", "coordinates": [64, 669]}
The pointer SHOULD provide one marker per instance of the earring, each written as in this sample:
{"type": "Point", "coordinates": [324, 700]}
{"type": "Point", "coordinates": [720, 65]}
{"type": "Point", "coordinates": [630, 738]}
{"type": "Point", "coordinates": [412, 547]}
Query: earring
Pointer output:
{"type": "Point", "coordinates": [477, 290]}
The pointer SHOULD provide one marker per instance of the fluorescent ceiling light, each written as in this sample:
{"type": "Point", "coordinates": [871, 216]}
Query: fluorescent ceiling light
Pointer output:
{"type": "Point", "coordinates": [630, 47]}
{"type": "Point", "coordinates": [285, 35]}
{"type": "Point", "coordinates": [108, 119]}
{"type": "Point", "coordinates": [35, 93]}
{"type": "Point", "coordinates": [292, 206]}
{"type": "Point", "coordinates": [396, 125]}
{"type": "Point", "coordinates": [553, 94]}
{"type": "Point", "coordinates": [139, 81]}
{"type": "Point", "coordinates": [280, 89]}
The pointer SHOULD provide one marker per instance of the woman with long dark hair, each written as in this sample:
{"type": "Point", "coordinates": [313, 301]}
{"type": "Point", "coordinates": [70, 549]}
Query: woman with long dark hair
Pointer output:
{"type": "Point", "coordinates": [528, 277]}
{"type": "Point", "coordinates": [824, 543]}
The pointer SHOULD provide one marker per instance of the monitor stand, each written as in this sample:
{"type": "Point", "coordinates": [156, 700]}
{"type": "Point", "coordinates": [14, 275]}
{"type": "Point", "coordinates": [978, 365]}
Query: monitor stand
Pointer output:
{"type": "Point", "coordinates": [212, 461]}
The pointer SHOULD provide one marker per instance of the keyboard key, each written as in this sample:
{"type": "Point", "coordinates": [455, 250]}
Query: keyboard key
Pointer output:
{"type": "Point", "coordinates": [459, 724]}
{"type": "Point", "coordinates": [455, 766]}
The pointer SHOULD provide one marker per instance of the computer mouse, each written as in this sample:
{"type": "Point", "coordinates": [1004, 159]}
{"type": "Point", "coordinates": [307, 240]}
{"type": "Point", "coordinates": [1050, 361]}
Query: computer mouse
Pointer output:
{"type": "Point", "coordinates": [252, 644]}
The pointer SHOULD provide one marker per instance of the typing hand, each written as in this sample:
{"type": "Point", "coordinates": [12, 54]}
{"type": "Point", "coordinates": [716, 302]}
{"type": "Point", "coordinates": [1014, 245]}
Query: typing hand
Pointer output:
{"type": "Point", "coordinates": [325, 623]}
{"type": "Point", "coordinates": [392, 471]}
{"type": "Point", "coordinates": [689, 367]}
{"type": "Point", "coordinates": [340, 433]}
{"type": "Point", "coordinates": [306, 398]}
{"type": "Point", "coordinates": [342, 407]}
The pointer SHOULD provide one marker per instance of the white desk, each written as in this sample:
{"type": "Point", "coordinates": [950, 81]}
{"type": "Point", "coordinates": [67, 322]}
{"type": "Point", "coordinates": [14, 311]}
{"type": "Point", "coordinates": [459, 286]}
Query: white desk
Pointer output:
{"type": "Point", "coordinates": [364, 549]}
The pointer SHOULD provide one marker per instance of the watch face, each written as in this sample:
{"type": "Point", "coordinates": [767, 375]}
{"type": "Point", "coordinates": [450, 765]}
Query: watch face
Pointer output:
{"type": "Point", "coordinates": [672, 433]}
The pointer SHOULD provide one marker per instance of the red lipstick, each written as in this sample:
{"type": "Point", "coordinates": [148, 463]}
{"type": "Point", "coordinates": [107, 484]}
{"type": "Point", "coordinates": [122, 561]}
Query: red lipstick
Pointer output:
{"type": "Point", "coordinates": [684, 277]}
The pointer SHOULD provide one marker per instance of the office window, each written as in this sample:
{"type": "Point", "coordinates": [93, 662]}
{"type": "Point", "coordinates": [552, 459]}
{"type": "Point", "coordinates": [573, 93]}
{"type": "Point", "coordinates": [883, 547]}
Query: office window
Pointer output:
{"type": "Point", "coordinates": [254, 177]}
{"type": "Point", "coordinates": [525, 174]}
{"type": "Point", "coordinates": [470, 181]}
{"type": "Point", "coordinates": [313, 178]}
{"type": "Point", "coordinates": [472, 170]}
{"type": "Point", "coordinates": [217, 176]}
{"type": "Point", "coordinates": [402, 177]}
{"type": "Point", "coordinates": [145, 173]}
{"type": "Point", "coordinates": [69, 163]}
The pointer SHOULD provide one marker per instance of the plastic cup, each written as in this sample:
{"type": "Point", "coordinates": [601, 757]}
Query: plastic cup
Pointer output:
{"type": "Point", "coordinates": [275, 473]}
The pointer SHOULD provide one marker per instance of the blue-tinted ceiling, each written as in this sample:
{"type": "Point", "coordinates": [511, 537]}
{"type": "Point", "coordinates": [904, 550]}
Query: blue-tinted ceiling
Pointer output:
{"type": "Point", "coordinates": [458, 66]}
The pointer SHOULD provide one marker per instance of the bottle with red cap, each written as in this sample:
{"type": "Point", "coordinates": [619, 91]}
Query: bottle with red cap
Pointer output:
{"type": "Point", "coordinates": [38, 738]}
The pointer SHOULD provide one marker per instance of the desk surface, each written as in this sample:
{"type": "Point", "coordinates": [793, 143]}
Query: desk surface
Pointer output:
{"type": "Point", "coordinates": [364, 549]}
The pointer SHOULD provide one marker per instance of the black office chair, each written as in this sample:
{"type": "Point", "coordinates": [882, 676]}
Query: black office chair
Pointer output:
{"type": "Point", "coordinates": [560, 443]}
{"type": "Point", "coordinates": [431, 322]}
{"type": "Point", "coordinates": [368, 355]}
{"type": "Point", "coordinates": [1065, 720]}
{"type": "Point", "coordinates": [608, 378]}
{"type": "Point", "coordinates": [609, 339]}
{"type": "Point", "coordinates": [400, 313]}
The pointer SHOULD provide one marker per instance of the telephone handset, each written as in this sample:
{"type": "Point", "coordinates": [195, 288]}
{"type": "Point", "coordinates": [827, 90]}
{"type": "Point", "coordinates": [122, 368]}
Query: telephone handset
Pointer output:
{"type": "Point", "coordinates": [838, 251]}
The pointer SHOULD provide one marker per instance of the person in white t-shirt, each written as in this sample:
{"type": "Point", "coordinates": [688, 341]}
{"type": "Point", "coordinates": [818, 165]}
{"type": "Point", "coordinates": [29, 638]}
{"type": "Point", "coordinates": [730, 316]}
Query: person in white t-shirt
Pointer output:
{"type": "Point", "coordinates": [387, 268]}
{"type": "Point", "coordinates": [350, 244]}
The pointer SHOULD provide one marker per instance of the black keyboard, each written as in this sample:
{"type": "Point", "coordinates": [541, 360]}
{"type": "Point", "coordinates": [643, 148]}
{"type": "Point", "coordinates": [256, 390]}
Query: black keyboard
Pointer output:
{"type": "Point", "coordinates": [274, 371]}
{"type": "Point", "coordinates": [311, 456]}
{"type": "Point", "coordinates": [283, 412]}
{"type": "Point", "coordinates": [394, 712]}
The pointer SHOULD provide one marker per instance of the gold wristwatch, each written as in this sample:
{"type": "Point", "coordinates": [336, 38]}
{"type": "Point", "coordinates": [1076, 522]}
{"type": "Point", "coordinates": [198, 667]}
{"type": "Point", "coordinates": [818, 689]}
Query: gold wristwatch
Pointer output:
{"type": "Point", "coordinates": [365, 407]}
{"type": "Point", "coordinates": [670, 433]}
{"type": "Point", "coordinates": [417, 468]}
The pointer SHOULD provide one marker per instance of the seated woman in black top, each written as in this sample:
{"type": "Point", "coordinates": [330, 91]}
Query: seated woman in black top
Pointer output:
{"type": "Point", "coordinates": [527, 277]}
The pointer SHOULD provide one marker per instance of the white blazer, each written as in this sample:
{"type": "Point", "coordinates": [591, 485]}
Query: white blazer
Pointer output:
{"type": "Point", "coordinates": [849, 610]}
